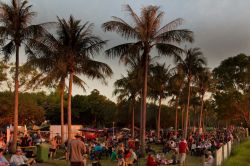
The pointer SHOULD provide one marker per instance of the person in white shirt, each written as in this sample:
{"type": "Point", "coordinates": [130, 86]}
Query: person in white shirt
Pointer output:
{"type": "Point", "coordinates": [20, 159]}
{"type": "Point", "coordinates": [209, 159]}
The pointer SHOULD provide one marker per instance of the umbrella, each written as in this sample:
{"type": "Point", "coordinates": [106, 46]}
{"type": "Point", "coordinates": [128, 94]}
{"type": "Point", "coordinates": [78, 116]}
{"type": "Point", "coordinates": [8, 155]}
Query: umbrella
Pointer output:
{"type": "Point", "coordinates": [125, 129]}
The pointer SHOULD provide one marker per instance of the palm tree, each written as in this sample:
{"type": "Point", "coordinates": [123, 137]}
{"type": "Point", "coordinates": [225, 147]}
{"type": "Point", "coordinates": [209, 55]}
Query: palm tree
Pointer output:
{"type": "Point", "coordinates": [78, 45]}
{"type": "Point", "coordinates": [128, 90]}
{"type": "Point", "coordinates": [158, 82]}
{"type": "Point", "coordinates": [129, 87]}
{"type": "Point", "coordinates": [145, 34]}
{"type": "Point", "coordinates": [175, 86]}
{"type": "Point", "coordinates": [191, 65]}
{"type": "Point", "coordinates": [69, 53]}
{"type": "Point", "coordinates": [204, 82]}
{"type": "Point", "coordinates": [15, 30]}
{"type": "Point", "coordinates": [45, 54]}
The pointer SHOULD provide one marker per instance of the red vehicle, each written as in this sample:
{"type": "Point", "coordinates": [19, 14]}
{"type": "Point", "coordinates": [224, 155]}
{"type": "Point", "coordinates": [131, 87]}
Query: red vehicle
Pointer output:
{"type": "Point", "coordinates": [89, 133]}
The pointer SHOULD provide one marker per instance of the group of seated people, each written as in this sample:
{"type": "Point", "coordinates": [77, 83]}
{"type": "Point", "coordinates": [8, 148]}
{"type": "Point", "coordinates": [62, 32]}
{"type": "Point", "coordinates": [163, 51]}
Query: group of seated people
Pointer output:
{"type": "Point", "coordinates": [17, 159]}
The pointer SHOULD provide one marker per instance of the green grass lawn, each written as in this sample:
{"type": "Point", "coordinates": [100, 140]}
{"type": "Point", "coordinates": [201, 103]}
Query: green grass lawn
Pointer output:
{"type": "Point", "coordinates": [191, 160]}
{"type": "Point", "coordinates": [240, 155]}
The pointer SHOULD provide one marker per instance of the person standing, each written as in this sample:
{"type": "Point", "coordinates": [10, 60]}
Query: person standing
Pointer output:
{"type": "Point", "coordinates": [3, 161]}
{"type": "Point", "coordinates": [53, 147]}
{"type": "Point", "coordinates": [183, 149]}
{"type": "Point", "coordinates": [76, 150]}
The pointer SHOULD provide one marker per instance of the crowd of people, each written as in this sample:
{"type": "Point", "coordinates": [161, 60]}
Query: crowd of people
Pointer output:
{"type": "Point", "coordinates": [125, 151]}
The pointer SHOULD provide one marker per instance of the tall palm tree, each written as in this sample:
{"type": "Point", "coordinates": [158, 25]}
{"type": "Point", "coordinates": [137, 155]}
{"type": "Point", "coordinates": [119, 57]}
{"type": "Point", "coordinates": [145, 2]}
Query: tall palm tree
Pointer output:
{"type": "Point", "coordinates": [204, 83]}
{"type": "Point", "coordinates": [68, 53]}
{"type": "Point", "coordinates": [158, 83]}
{"type": "Point", "coordinates": [45, 54]}
{"type": "Point", "coordinates": [175, 86]}
{"type": "Point", "coordinates": [146, 34]}
{"type": "Point", "coordinates": [129, 87]}
{"type": "Point", "coordinates": [15, 30]}
{"type": "Point", "coordinates": [79, 45]}
{"type": "Point", "coordinates": [191, 65]}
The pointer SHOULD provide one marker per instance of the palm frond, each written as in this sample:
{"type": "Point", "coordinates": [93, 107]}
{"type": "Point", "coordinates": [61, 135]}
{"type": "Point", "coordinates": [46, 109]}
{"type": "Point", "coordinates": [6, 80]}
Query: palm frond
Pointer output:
{"type": "Point", "coordinates": [120, 27]}
{"type": "Point", "coordinates": [79, 82]}
{"type": "Point", "coordinates": [8, 50]}
{"type": "Point", "coordinates": [123, 50]}
{"type": "Point", "coordinates": [169, 50]}
{"type": "Point", "coordinates": [178, 36]}
{"type": "Point", "coordinates": [170, 26]}
{"type": "Point", "coordinates": [133, 15]}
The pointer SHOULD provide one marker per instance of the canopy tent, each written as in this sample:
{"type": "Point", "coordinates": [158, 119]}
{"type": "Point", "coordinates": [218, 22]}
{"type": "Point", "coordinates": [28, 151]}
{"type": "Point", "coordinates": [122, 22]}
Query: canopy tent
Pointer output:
{"type": "Point", "coordinates": [125, 129]}
{"type": "Point", "coordinates": [87, 129]}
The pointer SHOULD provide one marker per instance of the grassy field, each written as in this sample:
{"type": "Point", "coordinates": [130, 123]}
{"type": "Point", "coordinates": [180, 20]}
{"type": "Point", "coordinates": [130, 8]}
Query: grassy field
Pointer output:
{"type": "Point", "coordinates": [240, 155]}
{"type": "Point", "coordinates": [191, 160]}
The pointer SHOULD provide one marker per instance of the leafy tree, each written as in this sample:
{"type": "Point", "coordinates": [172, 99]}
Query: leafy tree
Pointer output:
{"type": "Point", "coordinates": [233, 74]}
{"type": "Point", "coordinates": [30, 112]}
{"type": "Point", "coordinates": [146, 34]}
{"type": "Point", "coordinates": [3, 74]}
{"type": "Point", "coordinates": [232, 85]}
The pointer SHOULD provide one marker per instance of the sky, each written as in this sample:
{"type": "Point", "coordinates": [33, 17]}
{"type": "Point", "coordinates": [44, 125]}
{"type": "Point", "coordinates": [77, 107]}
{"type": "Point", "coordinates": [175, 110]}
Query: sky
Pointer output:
{"type": "Point", "coordinates": [221, 27]}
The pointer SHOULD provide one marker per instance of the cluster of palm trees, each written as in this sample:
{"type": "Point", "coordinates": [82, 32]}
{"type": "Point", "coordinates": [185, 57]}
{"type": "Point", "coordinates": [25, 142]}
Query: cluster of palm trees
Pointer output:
{"type": "Point", "coordinates": [64, 55]}
{"type": "Point", "coordinates": [146, 34]}
{"type": "Point", "coordinates": [68, 53]}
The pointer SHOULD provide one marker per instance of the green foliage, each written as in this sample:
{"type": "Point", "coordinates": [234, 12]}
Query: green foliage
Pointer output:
{"type": "Point", "coordinates": [240, 155]}
{"type": "Point", "coordinates": [94, 109]}
{"type": "Point", "coordinates": [3, 74]}
{"type": "Point", "coordinates": [30, 112]}
{"type": "Point", "coordinates": [233, 73]}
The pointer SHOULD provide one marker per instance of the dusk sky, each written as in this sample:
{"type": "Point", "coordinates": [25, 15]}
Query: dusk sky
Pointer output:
{"type": "Point", "coordinates": [221, 27]}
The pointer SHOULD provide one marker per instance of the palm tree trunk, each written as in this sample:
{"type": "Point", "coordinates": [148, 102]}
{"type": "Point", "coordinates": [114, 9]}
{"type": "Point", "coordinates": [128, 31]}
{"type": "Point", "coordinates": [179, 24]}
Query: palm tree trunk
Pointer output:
{"type": "Point", "coordinates": [159, 119]}
{"type": "Point", "coordinates": [141, 113]}
{"type": "Point", "coordinates": [133, 119]}
{"type": "Point", "coordinates": [195, 120]}
{"type": "Point", "coordinates": [62, 108]}
{"type": "Point", "coordinates": [14, 143]}
{"type": "Point", "coordinates": [187, 111]}
{"type": "Point", "coordinates": [201, 114]}
{"type": "Point", "coordinates": [144, 106]}
{"type": "Point", "coordinates": [176, 113]}
{"type": "Point", "coordinates": [182, 118]}
{"type": "Point", "coordinates": [69, 105]}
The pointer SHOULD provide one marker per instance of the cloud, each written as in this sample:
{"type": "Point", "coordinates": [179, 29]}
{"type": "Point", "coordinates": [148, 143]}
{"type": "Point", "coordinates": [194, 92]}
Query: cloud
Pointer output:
{"type": "Point", "coordinates": [221, 27]}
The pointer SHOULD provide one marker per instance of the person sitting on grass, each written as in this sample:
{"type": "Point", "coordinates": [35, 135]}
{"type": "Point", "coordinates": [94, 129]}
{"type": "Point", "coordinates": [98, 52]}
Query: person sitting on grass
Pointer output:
{"type": "Point", "coordinates": [3, 161]}
{"type": "Point", "coordinates": [209, 159]}
{"type": "Point", "coordinates": [19, 159]}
